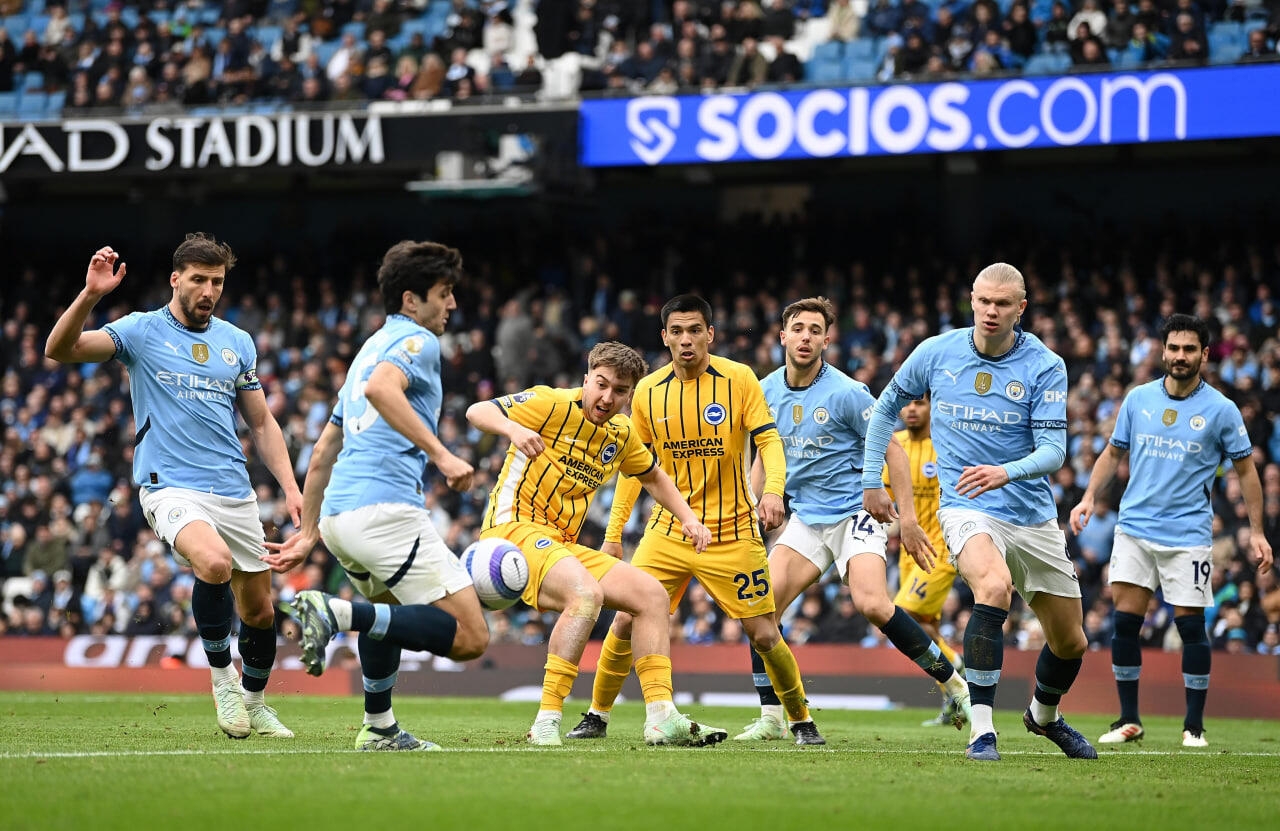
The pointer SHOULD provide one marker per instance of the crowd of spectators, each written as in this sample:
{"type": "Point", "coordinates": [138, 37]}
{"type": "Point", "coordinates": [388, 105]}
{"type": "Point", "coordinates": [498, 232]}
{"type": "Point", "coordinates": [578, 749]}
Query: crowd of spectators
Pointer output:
{"type": "Point", "coordinates": [76, 555]}
{"type": "Point", "coordinates": [135, 55]}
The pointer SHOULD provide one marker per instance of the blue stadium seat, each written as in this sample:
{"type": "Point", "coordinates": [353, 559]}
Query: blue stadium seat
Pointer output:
{"type": "Point", "coordinates": [1254, 23]}
{"type": "Point", "coordinates": [824, 71]}
{"type": "Point", "coordinates": [1225, 45]}
{"type": "Point", "coordinates": [861, 48]}
{"type": "Point", "coordinates": [35, 6]}
{"type": "Point", "coordinates": [355, 27]}
{"type": "Point", "coordinates": [267, 35]}
{"type": "Point", "coordinates": [129, 16]}
{"type": "Point", "coordinates": [77, 21]}
{"type": "Point", "coordinates": [1227, 27]}
{"type": "Point", "coordinates": [15, 24]}
{"type": "Point", "coordinates": [8, 105]}
{"type": "Point", "coordinates": [1129, 60]}
{"type": "Point", "coordinates": [1048, 64]}
{"type": "Point", "coordinates": [210, 15]}
{"type": "Point", "coordinates": [31, 106]}
{"type": "Point", "coordinates": [280, 9]}
{"type": "Point", "coordinates": [417, 25]}
{"type": "Point", "coordinates": [33, 80]}
{"type": "Point", "coordinates": [1113, 55]}
{"type": "Point", "coordinates": [39, 22]}
{"type": "Point", "coordinates": [215, 36]}
{"type": "Point", "coordinates": [53, 106]}
{"type": "Point", "coordinates": [324, 50]}
{"type": "Point", "coordinates": [859, 68]}
{"type": "Point", "coordinates": [832, 50]}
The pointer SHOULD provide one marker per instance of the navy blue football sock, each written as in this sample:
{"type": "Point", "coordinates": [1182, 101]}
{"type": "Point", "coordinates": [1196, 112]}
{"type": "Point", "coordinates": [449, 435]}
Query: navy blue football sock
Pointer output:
{"type": "Point", "coordinates": [1196, 658]}
{"type": "Point", "coordinates": [420, 627]}
{"type": "Point", "coordinates": [1054, 676]}
{"type": "Point", "coordinates": [1126, 663]}
{"type": "Point", "coordinates": [379, 666]}
{"type": "Point", "coordinates": [905, 633]}
{"type": "Point", "coordinates": [212, 607]}
{"type": "Point", "coordinates": [984, 652]}
{"type": "Point", "coordinates": [258, 654]}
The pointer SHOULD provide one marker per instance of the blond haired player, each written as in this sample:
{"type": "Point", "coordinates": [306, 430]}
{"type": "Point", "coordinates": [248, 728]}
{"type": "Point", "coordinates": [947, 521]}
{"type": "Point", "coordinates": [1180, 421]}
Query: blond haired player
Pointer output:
{"type": "Point", "coordinates": [920, 593]}
{"type": "Point", "coordinates": [565, 444]}
{"type": "Point", "coordinates": [698, 415]}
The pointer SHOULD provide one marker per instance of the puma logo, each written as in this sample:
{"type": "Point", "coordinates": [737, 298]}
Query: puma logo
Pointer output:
{"type": "Point", "coordinates": [175, 349]}
{"type": "Point", "coordinates": [954, 376]}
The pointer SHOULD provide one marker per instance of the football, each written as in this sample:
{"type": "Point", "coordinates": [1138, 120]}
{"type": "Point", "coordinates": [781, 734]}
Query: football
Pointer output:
{"type": "Point", "coordinates": [499, 571]}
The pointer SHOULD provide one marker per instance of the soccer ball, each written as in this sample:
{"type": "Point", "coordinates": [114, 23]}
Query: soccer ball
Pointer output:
{"type": "Point", "coordinates": [499, 571]}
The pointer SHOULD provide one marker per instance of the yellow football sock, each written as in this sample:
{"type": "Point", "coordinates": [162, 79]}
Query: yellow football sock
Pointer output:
{"type": "Point", "coordinates": [611, 670]}
{"type": "Point", "coordinates": [655, 677]}
{"type": "Point", "coordinates": [557, 682]}
{"type": "Point", "coordinates": [784, 672]}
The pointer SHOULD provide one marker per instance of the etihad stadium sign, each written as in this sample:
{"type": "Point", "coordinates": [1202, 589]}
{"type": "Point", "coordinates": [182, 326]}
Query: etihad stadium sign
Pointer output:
{"type": "Point", "coordinates": [192, 143]}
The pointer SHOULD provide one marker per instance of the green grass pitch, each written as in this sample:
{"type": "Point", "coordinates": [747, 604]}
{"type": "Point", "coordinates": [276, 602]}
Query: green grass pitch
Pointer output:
{"type": "Point", "coordinates": [159, 761]}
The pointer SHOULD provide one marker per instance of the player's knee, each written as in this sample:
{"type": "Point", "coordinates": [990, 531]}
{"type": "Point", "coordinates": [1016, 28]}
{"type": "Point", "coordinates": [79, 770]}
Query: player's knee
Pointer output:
{"type": "Point", "coordinates": [1071, 646]}
{"type": "Point", "coordinates": [622, 626]}
{"type": "Point", "coordinates": [994, 590]}
{"type": "Point", "coordinates": [469, 642]}
{"type": "Point", "coordinates": [585, 601]}
{"type": "Point", "coordinates": [763, 636]}
{"type": "Point", "coordinates": [876, 607]}
{"type": "Point", "coordinates": [214, 569]}
{"type": "Point", "coordinates": [262, 616]}
{"type": "Point", "coordinates": [652, 599]}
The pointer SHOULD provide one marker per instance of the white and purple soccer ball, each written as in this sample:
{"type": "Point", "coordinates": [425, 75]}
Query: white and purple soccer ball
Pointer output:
{"type": "Point", "coordinates": [499, 571]}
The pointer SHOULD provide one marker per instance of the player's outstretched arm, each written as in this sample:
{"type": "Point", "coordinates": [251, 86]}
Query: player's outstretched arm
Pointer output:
{"type": "Point", "coordinates": [487, 416]}
{"type": "Point", "coordinates": [1251, 489]}
{"type": "Point", "coordinates": [68, 343]}
{"type": "Point", "coordinates": [913, 538]}
{"type": "Point", "coordinates": [282, 557]}
{"type": "Point", "coordinates": [269, 442]}
{"type": "Point", "coordinates": [385, 390]}
{"type": "Point", "coordinates": [1104, 470]}
{"type": "Point", "coordinates": [660, 486]}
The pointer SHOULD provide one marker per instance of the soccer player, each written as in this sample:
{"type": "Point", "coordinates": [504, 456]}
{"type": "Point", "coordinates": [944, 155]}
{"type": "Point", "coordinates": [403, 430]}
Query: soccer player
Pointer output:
{"type": "Point", "coordinates": [188, 371]}
{"type": "Point", "coordinates": [998, 397]}
{"type": "Point", "coordinates": [698, 415]}
{"type": "Point", "coordinates": [1176, 431]}
{"type": "Point", "coordinates": [920, 593]}
{"type": "Point", "coordinates": [821, 415]}
{"type": "Point", "coordinates": [364, 497]}
{"type": "Point", "coordinates": [565, 444]}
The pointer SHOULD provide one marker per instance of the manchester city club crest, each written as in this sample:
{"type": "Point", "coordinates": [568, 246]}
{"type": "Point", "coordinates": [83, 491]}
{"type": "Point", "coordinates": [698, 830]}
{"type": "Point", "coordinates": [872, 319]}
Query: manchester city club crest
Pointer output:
{"type": "Point", "coordinates": [797, 413]}
{"type": "Point", "coordinates": [200, 352]}
{"type": "Point", "coordinates": [982, 383]}
{"type": "Point", "coordinates": [1169, 417]}
{"type": "Point", "coordinates": [1197, 422]}
{"type": "Point", "coordinates": [1015, 390]}
{"type": "Point", "coordinates": [821, 416]}
{"type": "Point", "coordinates": [229, 358]}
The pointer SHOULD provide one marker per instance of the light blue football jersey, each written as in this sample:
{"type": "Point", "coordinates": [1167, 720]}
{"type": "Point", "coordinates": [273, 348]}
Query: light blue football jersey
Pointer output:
{"type": "Point", "coordinates": [984, 411]}
{"type": "Point", "coordinates": [183, 383]}
{"type": "Point", "coordinates": [377, 464]}
{"type": "Point", "coordinates": [823, 428]}
{"type": "Point", "coordinates": [1175, 448]}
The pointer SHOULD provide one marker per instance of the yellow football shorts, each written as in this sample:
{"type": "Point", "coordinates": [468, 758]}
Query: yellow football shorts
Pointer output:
{"type": "Point", "coordinates": [923, 594]}
{"type": "Point", "coordinates": [735, 574]}
{"type": "Point", "coordinates": [543, 548]}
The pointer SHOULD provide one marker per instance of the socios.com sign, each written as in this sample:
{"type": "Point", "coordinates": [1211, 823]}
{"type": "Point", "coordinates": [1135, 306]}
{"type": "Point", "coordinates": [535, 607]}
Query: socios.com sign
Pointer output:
{"type": "Point", "coordinates": [1125, 108]}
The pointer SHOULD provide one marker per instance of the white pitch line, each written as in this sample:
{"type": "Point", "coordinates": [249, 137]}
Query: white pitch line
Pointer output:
{"type": "Point", "coordinates": [118, 754]}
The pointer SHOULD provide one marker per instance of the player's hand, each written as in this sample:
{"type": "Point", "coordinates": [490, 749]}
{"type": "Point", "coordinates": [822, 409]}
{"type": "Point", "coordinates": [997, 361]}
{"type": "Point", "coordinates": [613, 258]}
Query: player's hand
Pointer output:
{"type": "Point", "coordinates": [770, 511]}
{"type": "Point", "coordinates": [977, 480]}
{"type": "Point", "coordinates": [1261, 550]}
{"type": "Point", "coordinates": [1080, 513]}
{"type": "Point", "coordinates": [526, 441]}
{"type": "Point", "coordinates": [293, 504]}
{"type": "Point", "coordinates": [699, 534]}
{"type": "Point", "coordinates": [102, 278]}
{"type": "Point", "coordinates": [613, 549]}
{"type": "Point", "coordinates": [288, 555]}
{"type": "Point", "coordinates": [916, 543]}
{"type": "Point", "coordinates": [457, 472]}
{"type": "Point", "coordinates": [876, 502]}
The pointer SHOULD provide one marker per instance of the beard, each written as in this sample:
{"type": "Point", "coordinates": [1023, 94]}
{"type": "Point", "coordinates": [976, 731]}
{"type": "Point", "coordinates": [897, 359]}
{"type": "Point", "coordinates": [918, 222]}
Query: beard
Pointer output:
{"type": "Point", "coordinates": [1182, 371]}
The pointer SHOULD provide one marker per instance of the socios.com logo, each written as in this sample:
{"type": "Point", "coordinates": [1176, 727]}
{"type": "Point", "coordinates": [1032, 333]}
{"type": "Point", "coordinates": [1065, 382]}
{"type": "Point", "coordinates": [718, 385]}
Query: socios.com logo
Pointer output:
{"type": "Point", "coordinates": [900, 119]}
{"type": "Point", "coordinates": [652, 123]}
